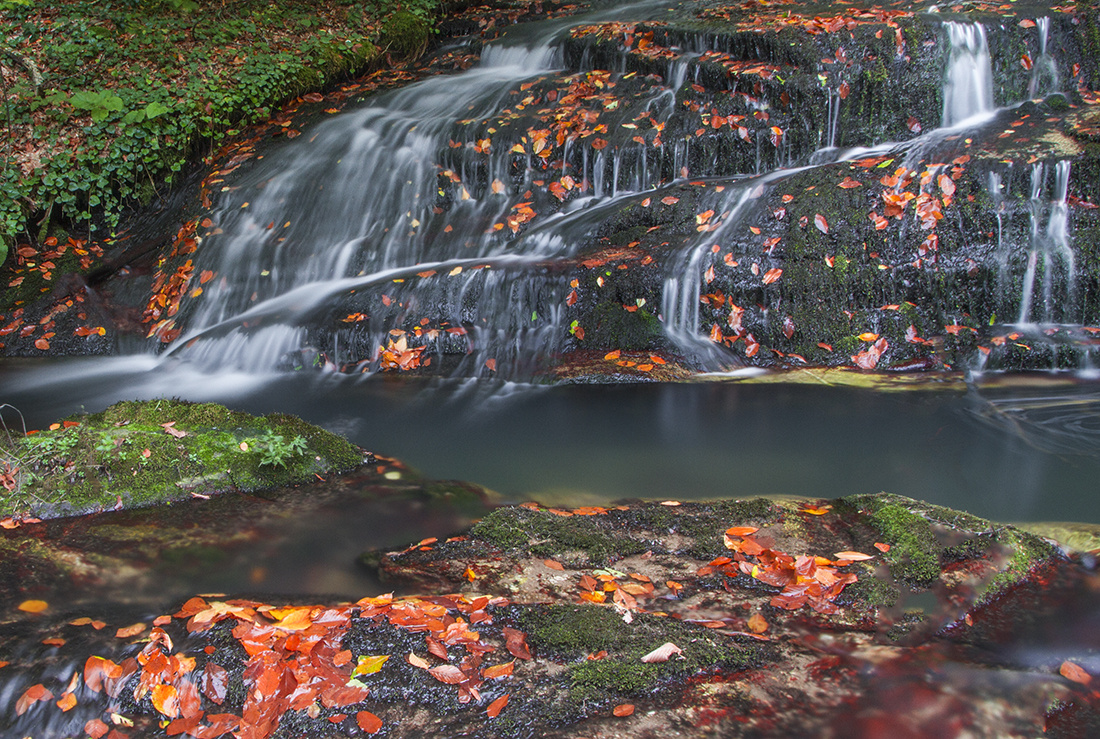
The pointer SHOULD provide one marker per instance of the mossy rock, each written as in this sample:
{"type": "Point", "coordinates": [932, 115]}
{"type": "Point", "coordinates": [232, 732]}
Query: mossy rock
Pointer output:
{"type": "Point", "coordinates": [405, 34]}
{"type": "Point", "coordinates": [570, 633]}
{"type": "Point", "coordinates": [139, 453]}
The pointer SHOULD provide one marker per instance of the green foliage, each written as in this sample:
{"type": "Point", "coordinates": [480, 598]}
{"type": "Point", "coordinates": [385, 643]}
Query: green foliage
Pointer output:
{"type": "Point", "coordinates": [131, 88]}
{"type": "Point", "coordinates": [275, 450]}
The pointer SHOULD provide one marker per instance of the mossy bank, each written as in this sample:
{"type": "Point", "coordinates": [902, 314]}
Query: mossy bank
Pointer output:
{"type": "Point", "coordinates": [139, 453]}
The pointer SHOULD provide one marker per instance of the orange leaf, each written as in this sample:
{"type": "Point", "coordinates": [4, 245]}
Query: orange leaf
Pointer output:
{"type": "Point", "coordinates": [1073, 672]}
{"type": "Point", "coordinates": [296, 620]}
{"type": "Point", "coordinates": [868, 336]}
{"type": "Point", "coordinates": [497, 706]}
{"type": "Point", "coordinates": [821, 224]}
{"type": "Point", "coordinates": [742, 530]}
{"type": "Point", "coordinates": [127, 631]}
{"type": "Point", "coordinates": [417, 661]}
{"type": "Point", "coordinates": [33, 606]}
{"type": "Point", "coordinates": [67, 702]}
{"type": "Point", "coordinates": [882, 547]}
{"type": "Point", "coordinates": [610, 356]}
{"type": "Point", "coordinates": [553, 565]}
{"type": "Point", "coordinates": [847, 183]}
{"type": "Point", "coordinates": [757, 624]}
{"type": "Point", "coordinates": [499, 670]}
{"type": "Point", "coordinates": [368, 722]}
{"type": "Point", "coordinates": [623, 709]}
{"type": "Point", "coordinates": [30, 696]}
{"type": "Point", "coordinates": [853, 556]}
{"type": "Point", "coordinates": [166, 700]}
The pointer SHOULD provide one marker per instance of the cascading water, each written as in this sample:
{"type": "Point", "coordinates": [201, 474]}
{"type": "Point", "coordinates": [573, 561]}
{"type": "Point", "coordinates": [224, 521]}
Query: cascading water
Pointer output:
{"type": "Point", "coordinates": [968, 81]}
{"type": "Point", "coordinates": [1050, 275]}
{"type": "Point", "coordinates": [1044, 71]}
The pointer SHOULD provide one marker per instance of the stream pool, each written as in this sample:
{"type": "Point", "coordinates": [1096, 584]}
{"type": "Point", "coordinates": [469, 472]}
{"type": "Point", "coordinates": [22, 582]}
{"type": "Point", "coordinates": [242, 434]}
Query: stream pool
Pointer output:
{"type": "Point", "coordinates": [1013, 449]}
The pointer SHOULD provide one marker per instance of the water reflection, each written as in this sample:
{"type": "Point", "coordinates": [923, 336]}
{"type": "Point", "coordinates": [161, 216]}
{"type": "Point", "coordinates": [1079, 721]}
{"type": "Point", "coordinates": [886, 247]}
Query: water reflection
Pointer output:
{"type": "Point", "coordinates": [1022, 453]}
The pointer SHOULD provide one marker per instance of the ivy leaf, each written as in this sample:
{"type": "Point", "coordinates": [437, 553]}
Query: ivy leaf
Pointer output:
{"type": "Point", "coordinates": [153, 109]}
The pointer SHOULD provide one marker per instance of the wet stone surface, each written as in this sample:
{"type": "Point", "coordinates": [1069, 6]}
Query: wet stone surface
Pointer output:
{"type": "Point", "coordinates": [737, 618]}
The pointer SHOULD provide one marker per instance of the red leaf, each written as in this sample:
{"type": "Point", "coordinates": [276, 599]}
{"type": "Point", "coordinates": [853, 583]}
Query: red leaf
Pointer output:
{"type": "Point", "coordinates": [368, 722]}
{"type": "Point", "coordinates": [497, 706]}
{"type": "Point", "coordinates": [913, 124]}
{"type": "Point", "coordinates": [623, 709]}
{"type": "Point", "coordinates": [821, 224]}
{"type": "Point", "coordinates": [772, 275]}
{"type": "Point", "coordinates": [447, 674]}
{"type": "Point", "coordinates": [788, 326]}
{"type": "Point", "coordinates": [1073, 672]}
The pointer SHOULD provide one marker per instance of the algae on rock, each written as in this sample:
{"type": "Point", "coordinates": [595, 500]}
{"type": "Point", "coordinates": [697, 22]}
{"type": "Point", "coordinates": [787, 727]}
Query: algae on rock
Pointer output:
{"type": "Point", "coordinates": [138, 453]}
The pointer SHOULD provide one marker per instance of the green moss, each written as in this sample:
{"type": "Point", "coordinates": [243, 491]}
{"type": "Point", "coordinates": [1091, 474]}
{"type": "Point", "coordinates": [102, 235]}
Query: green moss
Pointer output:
{"type": "Point", "coordinates": [617, 328]}
{"type": "Point", "coordinates": [914, 555]}
{"type": "Point", "coordinates": [576, 540]}
{"type": "Point", "coordinates": [405, 34]}
{"type": "Point", "coordinates": [572, 632]}
{"type": "Point", "coordinates": [142, 453]}
{"type": "Point", "coordinates": [704, 524]}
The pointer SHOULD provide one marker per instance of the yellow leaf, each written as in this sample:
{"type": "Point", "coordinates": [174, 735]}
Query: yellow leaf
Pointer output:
{"type": "Point", "coordinates": [33, 606]}
{"type": "Point", "coordinates": [370, 665]}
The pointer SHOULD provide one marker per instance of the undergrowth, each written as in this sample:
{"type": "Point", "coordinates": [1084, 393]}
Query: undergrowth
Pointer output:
{"type": "Point", "coordinates": [104, 101]}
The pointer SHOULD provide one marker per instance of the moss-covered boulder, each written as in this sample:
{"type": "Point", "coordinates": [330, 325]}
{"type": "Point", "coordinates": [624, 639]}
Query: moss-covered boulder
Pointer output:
{"type": "Point", "coordinates": [140, 453]}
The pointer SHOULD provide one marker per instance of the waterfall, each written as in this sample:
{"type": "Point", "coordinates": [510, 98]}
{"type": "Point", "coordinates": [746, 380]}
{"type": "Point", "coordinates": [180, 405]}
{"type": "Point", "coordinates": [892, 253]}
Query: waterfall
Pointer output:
{"type": "Point", "coordinates": [1044, 72]}
{"type": "Point", "coordinates": [1050, 275]}
{"type": "Point", "coordinates": [968, 80]}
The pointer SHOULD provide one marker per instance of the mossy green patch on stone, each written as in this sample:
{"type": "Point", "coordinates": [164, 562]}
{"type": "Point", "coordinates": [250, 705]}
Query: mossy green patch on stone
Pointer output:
{"type": "Point", "coordinates": [573, 632]}
{"type": "Point", "coordinates": [578, 539]}
{"type": "Point", "coordinates": [914, 555]}
{"type": "Point", "coordinates": [141, 453]}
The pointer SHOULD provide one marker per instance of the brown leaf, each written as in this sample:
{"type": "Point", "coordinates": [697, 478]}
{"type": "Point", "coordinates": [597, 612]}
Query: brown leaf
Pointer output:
{"type": "Point", "coordinates": [168, 428]}
{"type": "Point", "coordinates": [821, 224]}
{"type": "Point", "coordinates": [447, 674]}
{"type": "Point", "coordinates": [215, 682]}
{"type": "Point", "coordinates": [31, 695]}
{"type": "Point", "coordinates": [623, 709]}
{"type": "Point", "coordinates": [516, 642]}
{"type": "Point", "coordinates": [127, 631]}
{"type": "Point", "coordinates": [757, 624]}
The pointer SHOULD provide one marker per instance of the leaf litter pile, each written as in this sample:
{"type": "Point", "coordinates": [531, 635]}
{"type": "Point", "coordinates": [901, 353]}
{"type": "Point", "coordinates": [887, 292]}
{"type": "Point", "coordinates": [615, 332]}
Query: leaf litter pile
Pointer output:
{"type": "Point", "coordinates": [673, 618]}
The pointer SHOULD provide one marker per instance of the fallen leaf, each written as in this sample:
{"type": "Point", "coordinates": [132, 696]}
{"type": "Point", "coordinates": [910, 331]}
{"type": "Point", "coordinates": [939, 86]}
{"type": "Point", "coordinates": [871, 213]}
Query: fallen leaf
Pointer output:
{"type": "Point", "coordinates": [623, 709]}
{"type": "Point", "coordinates": [417, 661]}
{"type": "Point", "coordinates": [662, 653]}
{"type": "Point", "coordinates": [370, 665]}
{"type": "Point", "coordinates": [516, 642]}
{"type": "Point", "coordinates": [30, 696]}
{"type": "Point", "coordinates": [497, 706]}
{"type": "Point", "coordinates": [821, 224]}
{"type": "Point", "coordinates": [1073, 672]}
{"type": "Point", "coordinates": [757, 624]}
{"type": "Point", "coordinates": [170, 428]}
{"type": "Point", "coordinates": [853, 556]}
{"type": "Point", "coordinates": [127, 631]}
{"type": "Point", "coordinates": [368, 722]}
{"type": "Point", "coordinates": [496, 671]}
{"type": "Point", "coordinates": [447, 674]}
{"type": "Point", "coordinates": [67, 702]}
{"type": "Point", "coordinates": [33, 606]}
